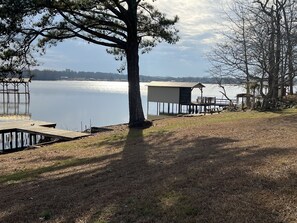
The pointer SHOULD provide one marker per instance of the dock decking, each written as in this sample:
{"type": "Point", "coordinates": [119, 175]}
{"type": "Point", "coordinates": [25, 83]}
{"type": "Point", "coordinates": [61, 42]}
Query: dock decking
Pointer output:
{"type": "Point", "coordinates": [40, 128]}
{"type": "Point", "coordinates": [21, 134]}
{"type": "Point", "coordinates": [52, 132]}
{"type": "Point", "coordinates": [4, 126]}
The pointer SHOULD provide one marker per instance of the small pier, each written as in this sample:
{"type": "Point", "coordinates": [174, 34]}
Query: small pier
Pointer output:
{"type": "Point", "coordinates": [173, 98]}
{"type": "Point", "coordinates": [14, 97]}
{"type": "Point", "coordinates": [13, 88]}
{"type": "Point", "coordinates": [208, 105]}
{"type": "Point", "coordinates": [18, 135]}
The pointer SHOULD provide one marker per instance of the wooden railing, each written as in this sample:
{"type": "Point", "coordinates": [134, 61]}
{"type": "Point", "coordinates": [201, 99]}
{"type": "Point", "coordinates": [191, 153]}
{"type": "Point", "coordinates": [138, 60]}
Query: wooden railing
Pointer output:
{"type": "Point", "coordinates": [214, 101]}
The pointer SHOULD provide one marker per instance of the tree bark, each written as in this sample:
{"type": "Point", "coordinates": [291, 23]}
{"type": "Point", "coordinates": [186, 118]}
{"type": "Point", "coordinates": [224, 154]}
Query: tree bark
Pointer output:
{"type": "Point", "coordinates": [247, 72]}
{"type": "Point", "coordinates": [290, 53]}
{"type": "Point", "coordinates": [277, 74]}
{"type": "Point", "coordinates": [135, 105]}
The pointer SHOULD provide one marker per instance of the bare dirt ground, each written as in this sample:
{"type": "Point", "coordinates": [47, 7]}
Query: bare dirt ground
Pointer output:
{"type": "Point", "coordinates": [232, 167]}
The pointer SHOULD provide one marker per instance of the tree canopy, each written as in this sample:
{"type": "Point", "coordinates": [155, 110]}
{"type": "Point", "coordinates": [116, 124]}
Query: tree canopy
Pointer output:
{"type": "Point", "coordinates": [259, 47]}
{"type": "Point", "coordinates": [124, 26]}
{"type": "Point", "coordinates": [104, 22]}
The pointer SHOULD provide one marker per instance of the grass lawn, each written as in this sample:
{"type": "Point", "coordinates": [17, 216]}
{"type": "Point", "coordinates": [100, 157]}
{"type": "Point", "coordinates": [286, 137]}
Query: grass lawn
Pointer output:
{"type": "Point", "coordinates": [231, 167]}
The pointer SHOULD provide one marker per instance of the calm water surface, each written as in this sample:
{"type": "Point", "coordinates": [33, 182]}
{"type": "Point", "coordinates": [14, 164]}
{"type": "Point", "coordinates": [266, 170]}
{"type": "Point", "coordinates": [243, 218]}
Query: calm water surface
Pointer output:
{"type": "Point", "coordinates": [74, 105]}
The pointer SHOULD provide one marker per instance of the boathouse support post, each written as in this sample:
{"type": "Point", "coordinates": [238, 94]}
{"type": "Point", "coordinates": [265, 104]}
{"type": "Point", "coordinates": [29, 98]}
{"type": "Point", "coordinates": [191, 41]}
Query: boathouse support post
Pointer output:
{"type": "Point", "coordinates": [22, 140]}
{"type": "Point", "coordinates": [3, 94]}
{"type": "Point", "coordinates": [14, 91]}
{"type": "Point", "coordinates": [147, 109]}
{"type": "Point", "coordinates": [11, 141]}
{"type": "Point", "coordinates": [30, 139]}
{"type": "Point", "coordinates": [3, 144]}
{"type": "Point", "coordinates": [28, 93]}
{"type": "Point", "coordinates": [16, 140]}
{"type": "Point", "coordinates": [35, 138]}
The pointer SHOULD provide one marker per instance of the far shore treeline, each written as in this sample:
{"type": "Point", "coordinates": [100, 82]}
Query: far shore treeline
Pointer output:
{"type": "Point", "coordinates": [53, 75]}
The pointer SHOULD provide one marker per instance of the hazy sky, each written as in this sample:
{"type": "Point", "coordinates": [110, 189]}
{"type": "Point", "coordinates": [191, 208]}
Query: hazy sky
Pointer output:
{"type": "Point", "coordinates": [199, 21]}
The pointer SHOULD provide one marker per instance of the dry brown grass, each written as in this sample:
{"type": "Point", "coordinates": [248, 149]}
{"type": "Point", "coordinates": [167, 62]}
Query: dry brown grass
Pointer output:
{"type": "Point", "coordinates": [232, 167]}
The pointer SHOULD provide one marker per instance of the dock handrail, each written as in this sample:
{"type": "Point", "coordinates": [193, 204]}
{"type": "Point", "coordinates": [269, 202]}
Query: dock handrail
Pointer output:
{"type": "Point", "coordinates": [206, 100]}
{"type": "Point", "coordinates": [214, 101]}
{"type": "Point", "coordinates": [225, 101]}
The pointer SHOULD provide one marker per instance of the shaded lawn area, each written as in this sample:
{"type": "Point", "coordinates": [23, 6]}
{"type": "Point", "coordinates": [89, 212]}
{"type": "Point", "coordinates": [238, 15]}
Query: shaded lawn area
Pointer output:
{"type": "Point", "coordinates": [232, 167]}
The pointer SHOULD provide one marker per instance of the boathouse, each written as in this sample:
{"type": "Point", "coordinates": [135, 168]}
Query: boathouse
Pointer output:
{"type": "Point", "coordinates": [14, 97]}
{"type": "Point", "coordinates": [171, 97]}
{"type": "Point", "coordinates": [13, 88]}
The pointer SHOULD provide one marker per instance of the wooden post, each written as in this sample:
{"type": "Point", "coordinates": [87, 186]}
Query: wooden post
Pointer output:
{"type": "Point", "coordinates": [10, 140]}
{"type": "Point", "coordinates": [147, 108]}
{"type": "Point", "coordinates": [16, 140]}
{"type": "Point", "coordinates": [7, 92]}
{"type": "Point", "coordinates": [19, 97]}
{"type": "Point", "coordinates": [3, 94]}
{"type": "Point", "coordinates": [14, 92]}
{"type": "Point", "coordinates": [2, 135]}
{"type": "Point", "coordinates": [28, 93]}
{"type": "Point", "coordinates": [35, 138]}
{"type": "Point", "coordinates": [30, 139]}
{"type": "Point", "coordinates": [22, 140]}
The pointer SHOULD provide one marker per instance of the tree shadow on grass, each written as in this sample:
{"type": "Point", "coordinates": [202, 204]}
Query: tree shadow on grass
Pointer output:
{"type": "Point", "coordinates": [159, 179]}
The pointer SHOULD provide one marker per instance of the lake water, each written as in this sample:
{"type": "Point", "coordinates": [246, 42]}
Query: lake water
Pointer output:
{"type": "Point", "coordinates": [74, 105]}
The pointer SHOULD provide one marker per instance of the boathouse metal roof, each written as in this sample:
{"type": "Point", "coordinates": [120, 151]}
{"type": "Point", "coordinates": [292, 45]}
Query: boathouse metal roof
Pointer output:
{"type": "Point", "coordinates": [175, 84]}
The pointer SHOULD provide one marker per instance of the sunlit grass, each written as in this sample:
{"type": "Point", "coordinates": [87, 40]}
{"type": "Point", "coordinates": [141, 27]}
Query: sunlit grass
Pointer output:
{"type": "Point", "coordinates": [225, 117]}
{"type": "Point", "coordinates": [118, 139]}
{"type": "Point", "coordinates": [175, 171]}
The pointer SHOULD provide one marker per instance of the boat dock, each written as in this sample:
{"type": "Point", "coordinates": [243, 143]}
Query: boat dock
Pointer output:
{"type": "Point", "coordinates": [174, 98]}
{"type": "Point", "coordinates": [18, 135]}
{"type": "Point", "coordinates": [208, 105]}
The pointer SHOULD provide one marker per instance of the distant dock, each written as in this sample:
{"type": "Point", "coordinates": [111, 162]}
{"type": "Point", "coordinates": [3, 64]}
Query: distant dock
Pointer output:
{"type": "Point", "coordinates": [208, 105]}
{"type": "Point", "coordinates": [18, 135]}
{"type": "Point", "coordinates": [174, 98]}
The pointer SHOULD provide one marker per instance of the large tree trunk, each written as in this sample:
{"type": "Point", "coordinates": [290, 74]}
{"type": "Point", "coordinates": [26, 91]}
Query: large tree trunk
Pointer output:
{"type": "Point", "coordinates": [290, 53]}
{"type": "Point", "coordinates": [135, 106]}
{"type": "Point", "coordinates": [278, 56]}
{"type": "Point", "coordinates": [269, 99]}
{"type": "Point", "coordinates": [246, 63]}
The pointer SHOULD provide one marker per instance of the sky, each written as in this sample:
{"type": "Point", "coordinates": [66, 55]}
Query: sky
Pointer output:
{"type": "Point", "coordinates": [198, 28]}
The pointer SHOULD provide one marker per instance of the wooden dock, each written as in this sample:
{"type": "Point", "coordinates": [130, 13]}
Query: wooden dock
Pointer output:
{"type": "Point", "coordinates": [4, 126]}
{"type": "Point", "coordinates": [53, 132]}
{"type": "Point", "coordinates": [17, 135]}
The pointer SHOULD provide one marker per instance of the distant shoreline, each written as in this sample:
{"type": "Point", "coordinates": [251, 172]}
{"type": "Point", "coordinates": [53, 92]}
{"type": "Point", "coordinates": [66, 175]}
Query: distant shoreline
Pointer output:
{"type": "Point", "coordinates": [69, 75]}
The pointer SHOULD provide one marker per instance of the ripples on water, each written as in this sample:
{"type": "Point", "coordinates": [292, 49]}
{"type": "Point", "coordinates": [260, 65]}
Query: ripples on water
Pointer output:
{"type": "Point", "coordinates": [74, 105]}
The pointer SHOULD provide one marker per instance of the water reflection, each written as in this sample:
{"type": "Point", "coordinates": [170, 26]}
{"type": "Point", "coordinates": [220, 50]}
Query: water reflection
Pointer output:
{"type": "Point", "coordinates": [14, 110]}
